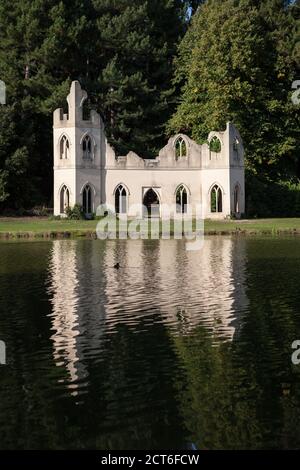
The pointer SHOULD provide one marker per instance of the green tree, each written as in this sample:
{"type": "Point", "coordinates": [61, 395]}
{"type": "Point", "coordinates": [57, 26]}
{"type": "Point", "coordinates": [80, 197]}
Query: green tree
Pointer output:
{"type": "Point", "coordinates": [237, 62]}
{"type": "Point", "coordinates": [122, 53]}
{"type": "Point", "coordinates": [40, 53]}
{"type": "Point", "coordinates": [136, 44]}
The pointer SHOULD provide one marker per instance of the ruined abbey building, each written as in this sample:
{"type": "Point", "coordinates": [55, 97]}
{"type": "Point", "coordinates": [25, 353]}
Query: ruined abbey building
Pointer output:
{"type": "Point", "coordinates": [88, 172]}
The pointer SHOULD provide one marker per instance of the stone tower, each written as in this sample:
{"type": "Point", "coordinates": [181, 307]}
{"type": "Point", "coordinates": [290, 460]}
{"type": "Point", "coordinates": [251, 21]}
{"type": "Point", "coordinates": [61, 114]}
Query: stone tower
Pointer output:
{"type": "Point", "coordinates": [78, 151]}
{"type": "Point", "coordinates": [223, 174]}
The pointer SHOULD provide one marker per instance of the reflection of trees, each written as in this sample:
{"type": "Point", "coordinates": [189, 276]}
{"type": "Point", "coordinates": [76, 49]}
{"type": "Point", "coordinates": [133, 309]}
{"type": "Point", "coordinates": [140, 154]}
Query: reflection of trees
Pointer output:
{"type": "Point", "coordinates": [270, 327]}
{"type": "Point", "coordinates": [129, 401]}
{"type": "Point", "coordinates": [216, 401]}
{"type": "Point", "coordinates": [151, 373]}
{"type": "Point", "coordinates": [131, 392]}
{"type": "Point", "coordinates": [246, 394]}
{"type": "Point", "coordinates": [29, 417]}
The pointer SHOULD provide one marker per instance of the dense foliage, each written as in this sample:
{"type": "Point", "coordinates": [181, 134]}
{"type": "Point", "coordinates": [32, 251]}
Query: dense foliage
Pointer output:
{"type": "Point", "coordinates": [121, 51]}
{"type": "Point", "coordinates": [237, 61]}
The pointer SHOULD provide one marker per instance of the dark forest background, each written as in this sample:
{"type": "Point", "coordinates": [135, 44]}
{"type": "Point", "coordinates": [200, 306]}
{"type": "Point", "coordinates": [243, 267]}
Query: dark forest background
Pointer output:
{"type": "Point", "coordinates": [152, 68]}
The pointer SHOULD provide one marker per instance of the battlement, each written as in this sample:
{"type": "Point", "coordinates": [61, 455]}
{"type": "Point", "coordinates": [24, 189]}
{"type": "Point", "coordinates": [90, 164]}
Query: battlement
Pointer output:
{"type": "Point", "coordinates": [74, 117]}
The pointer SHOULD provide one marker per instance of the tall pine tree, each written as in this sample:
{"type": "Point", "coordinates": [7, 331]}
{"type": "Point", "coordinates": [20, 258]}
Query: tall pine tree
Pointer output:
{"type": "Point", "coordinates": [42, 49]}
{"type": "Point", "coordinates": [136, 44]}
{"type": "Point", "coordinates": [121, 51]}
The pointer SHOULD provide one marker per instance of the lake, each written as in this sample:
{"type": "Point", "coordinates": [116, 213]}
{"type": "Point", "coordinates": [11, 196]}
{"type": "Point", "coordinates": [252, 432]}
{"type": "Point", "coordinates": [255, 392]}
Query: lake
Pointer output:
{"type": "Point", "coordinates": [175, 347]}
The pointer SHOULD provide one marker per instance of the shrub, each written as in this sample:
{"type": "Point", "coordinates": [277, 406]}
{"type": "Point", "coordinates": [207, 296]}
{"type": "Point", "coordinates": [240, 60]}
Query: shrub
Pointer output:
{"type": "Point", "coordinates": [39, 211]}
{"type": "Point", "coordinates": [75, 212]}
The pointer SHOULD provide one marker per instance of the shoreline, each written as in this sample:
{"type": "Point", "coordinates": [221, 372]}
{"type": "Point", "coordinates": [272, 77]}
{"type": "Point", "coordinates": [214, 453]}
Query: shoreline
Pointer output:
{"type": "Point", "coordinates": [32, 228]}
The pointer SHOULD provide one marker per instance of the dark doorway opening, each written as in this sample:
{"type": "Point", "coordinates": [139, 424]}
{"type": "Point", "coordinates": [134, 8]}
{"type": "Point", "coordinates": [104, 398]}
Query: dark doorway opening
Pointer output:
{"type": "Point", "coordinates": [151, 204]}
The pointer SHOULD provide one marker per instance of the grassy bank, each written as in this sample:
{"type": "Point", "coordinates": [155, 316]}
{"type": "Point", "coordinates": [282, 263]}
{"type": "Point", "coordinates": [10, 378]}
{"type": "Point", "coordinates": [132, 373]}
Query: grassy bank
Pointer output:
{"type": "Point", "coordinates": [44, 228]}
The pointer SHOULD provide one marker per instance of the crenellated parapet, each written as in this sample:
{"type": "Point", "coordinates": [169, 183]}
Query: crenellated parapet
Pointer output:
{"type": "Point", "coordinates": [74, 117]}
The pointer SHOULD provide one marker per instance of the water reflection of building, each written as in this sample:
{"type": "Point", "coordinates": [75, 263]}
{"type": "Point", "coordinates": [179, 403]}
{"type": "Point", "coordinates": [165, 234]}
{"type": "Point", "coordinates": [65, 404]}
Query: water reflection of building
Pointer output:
{"type": "Point", "coordinates": [77, 326]}
{"type": "Point", "coordinates": [185, 287]}
{"type": "Point", "coordinates": [158, 281]}
{"type": "Point", "coordinates": [64, 282]}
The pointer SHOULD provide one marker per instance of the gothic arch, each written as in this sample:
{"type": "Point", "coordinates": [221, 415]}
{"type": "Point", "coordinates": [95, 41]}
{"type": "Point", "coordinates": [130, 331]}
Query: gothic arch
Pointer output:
{"type": "Point", "coordinates": [88, 198]}
{"type": "Point", "coordinates": [185, 186]}
{"type": "Point", "coordinates": [180, 147]}
{"type": "Point", "coordinates": [216, 198]}
{"type": "Point", "coordinates": [64, 198]}
{"type": "Point", "coordinates": [182, 194]}
{"type": "Point", "coordinates": [60, 188]}
{"type": "Point", "coordinates": [151, 202]}
{"type": "Point", "coordinates": [215, 144]}
{"type": "Point", "coordinates": [87, 183]}
{"type": "Point", "coordinates": [88, 146]}
{"type": "Point", "coordinates": [121, 194]}
{"type": "Point", "coordinates": [124, 185]}
{"type": "Point", "coordinates": [64, 146]}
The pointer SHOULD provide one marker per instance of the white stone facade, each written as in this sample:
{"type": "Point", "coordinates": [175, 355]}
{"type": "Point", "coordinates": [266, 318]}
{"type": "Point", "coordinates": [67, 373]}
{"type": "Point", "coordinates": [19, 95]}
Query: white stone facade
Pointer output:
{"type": "Point", "coordinates": [88, 172]}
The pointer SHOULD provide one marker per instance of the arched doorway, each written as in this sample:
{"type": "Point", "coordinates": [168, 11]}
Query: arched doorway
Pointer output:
{"type": "Point", "coordinates": [151, 203]}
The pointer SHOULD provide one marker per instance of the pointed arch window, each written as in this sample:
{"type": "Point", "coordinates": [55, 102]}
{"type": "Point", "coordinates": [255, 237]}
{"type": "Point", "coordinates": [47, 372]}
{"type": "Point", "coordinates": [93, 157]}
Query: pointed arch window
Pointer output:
{"type": "Point", "coordinates": [121, 200]}
{"type": "Point", "coordinates": [181, 200]}
{"type": "Point", "coordinates": [216, 199]}
{"type": "Point", "coordinates": [64, 148]}
{"type": "Point", "coordinates": [215, 145]}
{"type": "Point", "coordinates": [64, 199]}
{"type": "Point", "coordinates": [87, 153]}
{"type": "Point", "coordinates": [87, 200]}
{"type": "Point", "coordinates": [180, 148]}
